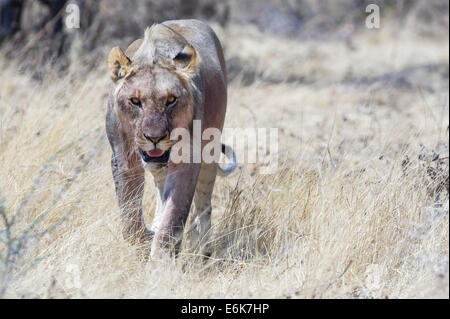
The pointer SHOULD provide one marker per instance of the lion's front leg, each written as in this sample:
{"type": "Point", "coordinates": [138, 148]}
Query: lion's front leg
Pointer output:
{"type": "Point", "coordinates": [159, 176]}
{"type": "Point", "coordinates": [177, 198]}
{"type": "Point", "coordinates": [129, 181]}
{"type": "Point", "coordinates": [199, 230]}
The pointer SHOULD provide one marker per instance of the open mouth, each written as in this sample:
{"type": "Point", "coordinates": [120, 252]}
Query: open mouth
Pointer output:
{"type": "Point", "coordinates": [155, 155]}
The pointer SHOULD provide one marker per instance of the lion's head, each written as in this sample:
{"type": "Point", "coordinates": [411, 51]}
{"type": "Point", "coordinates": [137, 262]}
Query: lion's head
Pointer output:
{"type": "Point", "coordinates": [154, 89]}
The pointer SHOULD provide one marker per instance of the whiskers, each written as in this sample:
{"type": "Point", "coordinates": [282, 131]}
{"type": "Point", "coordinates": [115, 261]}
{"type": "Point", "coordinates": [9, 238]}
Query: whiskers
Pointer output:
{"type": "Point", "coordinates": [163, 145]}
{"type": "Point", "coordinates": [166, 144]}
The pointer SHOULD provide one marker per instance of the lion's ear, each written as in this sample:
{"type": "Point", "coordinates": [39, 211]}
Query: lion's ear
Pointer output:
{"type": "Point", "coordinates": [132, 48]}
{"type": "Point", "coordinates": [187, 59]}
{"type": "Point", "coordinates": [119, 63]}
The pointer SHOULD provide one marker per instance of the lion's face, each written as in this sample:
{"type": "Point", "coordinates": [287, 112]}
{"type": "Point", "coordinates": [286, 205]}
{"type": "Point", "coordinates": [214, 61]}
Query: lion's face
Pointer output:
{"type": "Point", "coordinates": [154, 94]}
{"type": "Point", "coordinates": [154, 100]}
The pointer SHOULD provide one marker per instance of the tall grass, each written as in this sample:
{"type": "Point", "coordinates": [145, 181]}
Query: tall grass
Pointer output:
{"type": "Point", "coordinates": [358, 207]}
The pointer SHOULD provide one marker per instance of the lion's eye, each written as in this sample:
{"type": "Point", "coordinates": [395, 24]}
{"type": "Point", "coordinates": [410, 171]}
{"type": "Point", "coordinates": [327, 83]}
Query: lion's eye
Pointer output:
{"type": "Point", "coordinates": [171, 100]}
{"type": "Point", "coordinates": [135, 101]}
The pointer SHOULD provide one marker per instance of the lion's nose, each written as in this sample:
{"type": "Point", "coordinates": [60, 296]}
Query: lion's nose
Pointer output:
{"type": "Point", "coordinates": [155, 139]}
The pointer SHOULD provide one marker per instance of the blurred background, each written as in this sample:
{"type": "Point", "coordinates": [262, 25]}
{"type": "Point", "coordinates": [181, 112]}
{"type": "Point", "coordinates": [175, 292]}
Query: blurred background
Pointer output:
{"type": "Point", "coordinates": [37, 26]}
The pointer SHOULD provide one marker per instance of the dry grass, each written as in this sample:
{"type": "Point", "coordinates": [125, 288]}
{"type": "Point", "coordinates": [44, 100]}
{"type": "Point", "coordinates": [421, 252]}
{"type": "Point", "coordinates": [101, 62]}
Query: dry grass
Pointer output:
{"type": "Point", "coordinates": [358, 207]}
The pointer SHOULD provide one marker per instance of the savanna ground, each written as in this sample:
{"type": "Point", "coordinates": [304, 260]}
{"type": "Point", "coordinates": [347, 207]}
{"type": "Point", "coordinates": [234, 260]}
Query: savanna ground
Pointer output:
{"type": "Point", "coordinates": [358, 207]}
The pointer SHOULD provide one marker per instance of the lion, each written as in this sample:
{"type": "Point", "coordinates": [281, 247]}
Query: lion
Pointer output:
{"type": "Point", "coordinates": [173, 76]}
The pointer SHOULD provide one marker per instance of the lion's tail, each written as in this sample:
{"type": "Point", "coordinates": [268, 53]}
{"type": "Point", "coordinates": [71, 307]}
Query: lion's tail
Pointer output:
{"type": "Point", "coordinates": [231, 155]}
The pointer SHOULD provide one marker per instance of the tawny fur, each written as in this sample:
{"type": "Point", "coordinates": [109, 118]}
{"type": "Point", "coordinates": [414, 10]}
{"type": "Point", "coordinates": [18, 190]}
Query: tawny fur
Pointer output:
{"type": "Point", "coordinates": [182, 57]}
